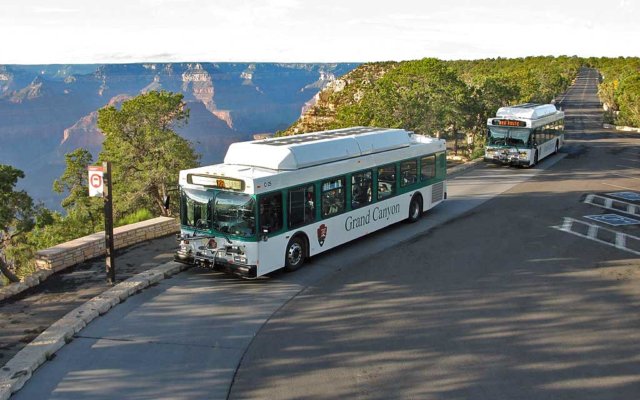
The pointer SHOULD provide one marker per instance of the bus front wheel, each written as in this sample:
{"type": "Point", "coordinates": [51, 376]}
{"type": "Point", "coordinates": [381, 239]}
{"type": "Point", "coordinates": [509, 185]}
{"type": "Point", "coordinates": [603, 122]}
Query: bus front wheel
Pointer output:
{"type": "Point", "coordinates": [295, 254]}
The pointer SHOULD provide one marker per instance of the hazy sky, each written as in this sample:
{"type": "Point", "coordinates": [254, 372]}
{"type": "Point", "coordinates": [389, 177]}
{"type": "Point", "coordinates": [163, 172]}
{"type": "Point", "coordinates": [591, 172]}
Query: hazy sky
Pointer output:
{"type": "Point", "coordinates": [88, 31]}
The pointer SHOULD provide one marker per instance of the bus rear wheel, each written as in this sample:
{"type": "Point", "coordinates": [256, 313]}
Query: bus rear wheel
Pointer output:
{"type": "Point", "coordinates": [415, 209]}
{"type": "Point", "coordinates": [295, 254]}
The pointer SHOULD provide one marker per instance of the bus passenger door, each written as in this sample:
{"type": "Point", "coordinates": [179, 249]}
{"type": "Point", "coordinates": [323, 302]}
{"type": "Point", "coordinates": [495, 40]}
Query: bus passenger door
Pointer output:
{"type": "Point", "coordinates": [271, 248]}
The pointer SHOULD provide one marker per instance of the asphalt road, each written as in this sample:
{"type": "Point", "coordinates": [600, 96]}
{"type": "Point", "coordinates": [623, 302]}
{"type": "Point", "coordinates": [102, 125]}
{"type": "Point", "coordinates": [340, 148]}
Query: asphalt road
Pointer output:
{"type": "Point", "coordinates": [484, 298]}
{"type": "Point", "coordinates": [497, 304]}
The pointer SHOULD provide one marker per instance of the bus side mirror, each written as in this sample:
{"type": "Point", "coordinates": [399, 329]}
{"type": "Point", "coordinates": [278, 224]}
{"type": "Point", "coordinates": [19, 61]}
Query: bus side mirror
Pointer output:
{"type": "Point", "coordinates": [166, 202]}
{"type": "Point", "coordinates": [265, 233]}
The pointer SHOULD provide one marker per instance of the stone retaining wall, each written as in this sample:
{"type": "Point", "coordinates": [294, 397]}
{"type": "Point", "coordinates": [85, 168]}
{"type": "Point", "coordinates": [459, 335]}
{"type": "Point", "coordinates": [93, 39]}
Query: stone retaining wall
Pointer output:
{"type": "Point", "coordinates": [70, 253]}
{"type": "Point", "coordinates": [76, 251]}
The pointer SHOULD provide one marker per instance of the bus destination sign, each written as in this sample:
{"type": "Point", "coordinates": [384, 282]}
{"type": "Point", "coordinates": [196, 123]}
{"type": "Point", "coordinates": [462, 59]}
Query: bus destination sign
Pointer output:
{"type": "Point", "coordinates": [218, 182]}
{"type": "Point", "coordinates": [508, 122]}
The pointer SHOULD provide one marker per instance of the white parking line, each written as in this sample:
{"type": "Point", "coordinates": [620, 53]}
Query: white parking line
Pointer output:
{"type": "Point", "coordinates": [607, 203]}
{"type": "Point", "coordinates": [630, 160]}
{"type": "Point", "coordinates": [621, 241]}
{"type": "Point", "coordinates": [627, 177]}
{"type": "Point", "coordinates": [618, 186]}
{"type": "Point", "coordinates": [613, 219]}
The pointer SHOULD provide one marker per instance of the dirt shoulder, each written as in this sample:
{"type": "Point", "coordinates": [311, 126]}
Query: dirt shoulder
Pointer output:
{"type": "Point", "coordinates": [26, 315]}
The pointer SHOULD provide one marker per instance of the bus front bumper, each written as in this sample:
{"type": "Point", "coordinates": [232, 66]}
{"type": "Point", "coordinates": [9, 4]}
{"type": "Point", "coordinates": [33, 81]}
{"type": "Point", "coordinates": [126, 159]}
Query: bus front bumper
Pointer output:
{"type": "Point", "coordinates": [227, 265]}
{"type": "Point", "coordinates": [185, 257]}
{"type": "Point", "coordinates": [513, 161]}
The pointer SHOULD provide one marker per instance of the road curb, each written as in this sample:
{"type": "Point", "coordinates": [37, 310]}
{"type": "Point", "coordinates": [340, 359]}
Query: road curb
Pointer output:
{"type": "Point", "coordinates": [621, 128]}
{"type": "Point", "coordinates": [28, 282]}
{"type": "Point", "coordinates": [463, 167]}
{"type": "Point", "coordinates": [17, 371]}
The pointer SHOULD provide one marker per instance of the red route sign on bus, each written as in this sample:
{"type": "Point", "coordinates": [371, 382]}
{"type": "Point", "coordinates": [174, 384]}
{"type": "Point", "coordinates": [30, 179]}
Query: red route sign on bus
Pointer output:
{"type": "Point", "coordinates": [508, 122]}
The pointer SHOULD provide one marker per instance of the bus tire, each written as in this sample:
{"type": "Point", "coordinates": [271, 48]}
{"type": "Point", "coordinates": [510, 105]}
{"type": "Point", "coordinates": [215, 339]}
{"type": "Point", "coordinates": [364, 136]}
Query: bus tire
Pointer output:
{"type": "Point", "coordinates": [295, 254]}
{"type": "Point", "coordinates": [415, 209]}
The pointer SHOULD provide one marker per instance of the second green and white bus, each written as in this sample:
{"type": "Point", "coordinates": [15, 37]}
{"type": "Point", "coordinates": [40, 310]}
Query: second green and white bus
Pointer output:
{"type": "Point", "coordinates": [275, 202]}
{"type": "Point", "coordinates": [523, 135]}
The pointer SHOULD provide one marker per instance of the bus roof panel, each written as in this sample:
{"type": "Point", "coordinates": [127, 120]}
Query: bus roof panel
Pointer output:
{"type": "Point", "coordinates": [233, 171]}
{"type": "Point", "coordinates": [301, 151]}
{"type": "Point", "coordinates": [527, 111]}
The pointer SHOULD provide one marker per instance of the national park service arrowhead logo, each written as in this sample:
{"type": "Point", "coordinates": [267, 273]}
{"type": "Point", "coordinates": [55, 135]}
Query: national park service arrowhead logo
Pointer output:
{"type": "Point", "coordinates": [322, 234]}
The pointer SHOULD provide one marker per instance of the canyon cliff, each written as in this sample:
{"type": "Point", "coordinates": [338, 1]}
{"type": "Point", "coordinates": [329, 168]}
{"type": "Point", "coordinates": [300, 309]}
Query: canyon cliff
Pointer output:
{"type": "Point", "coordinates": [49, 110]}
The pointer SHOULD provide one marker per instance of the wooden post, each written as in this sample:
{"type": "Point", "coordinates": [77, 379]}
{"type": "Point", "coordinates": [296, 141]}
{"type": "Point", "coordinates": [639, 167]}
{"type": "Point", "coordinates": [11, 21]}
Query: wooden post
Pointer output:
{"type": "Point", "coordinates": [108, 224]}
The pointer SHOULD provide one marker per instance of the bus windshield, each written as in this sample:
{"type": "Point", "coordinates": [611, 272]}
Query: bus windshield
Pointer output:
{"type": "Point", "coordinates": [227, 212]}
{"type": "Point", "coordinates": [195, 209]}
{"type": "Point", "coordinates": [502, 136]}
{"type": "Point", "coordinates": [234, 213]}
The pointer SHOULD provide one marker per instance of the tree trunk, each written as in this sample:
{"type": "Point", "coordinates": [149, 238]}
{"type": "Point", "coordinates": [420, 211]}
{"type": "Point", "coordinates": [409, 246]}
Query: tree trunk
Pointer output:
{"type": "Point", "coordinates": [4, 268]}
{"type": "Point", "coordinates": [160, 203]}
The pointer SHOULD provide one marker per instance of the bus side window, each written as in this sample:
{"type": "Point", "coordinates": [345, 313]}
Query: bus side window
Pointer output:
{"type": "Point", "coordinates": [547, 133]}
{"type": "Point", "coordinates": [333, 196]}
{"type": "Point", "coordinates": [427, 168]}
{"type": "Point", "coordinates": [271, 212]}
{"type": "Point", "coordinates": [408, 172]}
{"type": "Point", "coordinates": [386, 181]}
{"type": "Point", "coordinates": [301, 206]}
{"type": "Point", "coordinates": [361, 187]}
{"type": "Point", "coordinates": [537, 137]}
{"type": "Point", "coordinates": [442, 165]}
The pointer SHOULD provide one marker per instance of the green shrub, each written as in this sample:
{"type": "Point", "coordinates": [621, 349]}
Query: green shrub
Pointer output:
{"type": "Point", "coordinates": [140, 215]}
{"type": "Point", "coordinates": [478, 152]}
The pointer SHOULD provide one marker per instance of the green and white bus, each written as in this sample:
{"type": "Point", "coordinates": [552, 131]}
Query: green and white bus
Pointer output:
{"type": "Point", "coordinates": [524, 134]}
{"type": "Point", "coordinates": [275, 202]}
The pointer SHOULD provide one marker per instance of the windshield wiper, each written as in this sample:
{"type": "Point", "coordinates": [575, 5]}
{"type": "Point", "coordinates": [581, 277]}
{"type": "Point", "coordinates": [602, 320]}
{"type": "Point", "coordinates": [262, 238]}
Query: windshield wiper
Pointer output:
{"type": "Point", "coordinates": [219, 228]}
{"type": "Point", "coordinates": [197, 227]}
{"type": "Point", "coordinates": [226, 236]}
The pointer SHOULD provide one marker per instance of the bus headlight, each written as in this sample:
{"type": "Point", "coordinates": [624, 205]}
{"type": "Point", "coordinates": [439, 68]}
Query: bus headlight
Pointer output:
{"type": "Point", "coordinates": [523, 154]}
{"type": "Point", "coordinates": [240, 259]}
{"type": "Point", "coordinates": [235, 249]}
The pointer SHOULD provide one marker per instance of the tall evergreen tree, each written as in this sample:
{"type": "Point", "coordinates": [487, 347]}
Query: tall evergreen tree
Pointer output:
{"type": "Point", "coordinates": [16, 217]}
{"type": "Point", "coordinates": [145, 152]}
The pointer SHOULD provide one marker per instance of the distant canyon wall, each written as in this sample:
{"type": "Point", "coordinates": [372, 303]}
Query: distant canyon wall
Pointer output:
{"type": "Point", "coordinates": [49, 110]}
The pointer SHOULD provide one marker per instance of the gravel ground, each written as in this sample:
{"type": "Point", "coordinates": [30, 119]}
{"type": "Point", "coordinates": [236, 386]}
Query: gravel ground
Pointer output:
{"type": "Point", "coordinates": [29, 313]}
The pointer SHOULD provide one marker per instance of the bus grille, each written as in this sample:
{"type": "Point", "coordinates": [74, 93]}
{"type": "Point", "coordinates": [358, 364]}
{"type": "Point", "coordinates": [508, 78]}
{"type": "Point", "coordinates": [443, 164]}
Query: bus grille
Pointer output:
{"type": "Point", "coordinates": [437, 192]}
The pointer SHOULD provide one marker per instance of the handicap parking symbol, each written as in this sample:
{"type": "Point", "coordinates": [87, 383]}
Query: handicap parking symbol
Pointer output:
{"type": "Point", "coordinates": [629, 196]}
{"type": "Point", "coordinates": [613, 219]}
